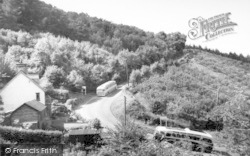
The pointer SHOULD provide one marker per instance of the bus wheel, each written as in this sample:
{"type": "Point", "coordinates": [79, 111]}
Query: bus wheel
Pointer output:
{"type": "Point", "coordinates": [208, 149]}
{"type": "Point", "coordinates": [200, 148]}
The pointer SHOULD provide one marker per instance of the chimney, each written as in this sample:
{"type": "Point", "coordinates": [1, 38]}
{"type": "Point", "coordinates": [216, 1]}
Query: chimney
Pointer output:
{"type": "Point", "coordinates": [33, 73]}
{"type": "Point", "coordinates": [33, 76]}
{"type": "Point", "coordinates": [22, 67]}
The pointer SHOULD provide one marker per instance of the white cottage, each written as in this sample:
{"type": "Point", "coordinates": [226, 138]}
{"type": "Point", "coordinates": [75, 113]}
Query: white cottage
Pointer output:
{"type": "Point", "coordinates": [19, 90]}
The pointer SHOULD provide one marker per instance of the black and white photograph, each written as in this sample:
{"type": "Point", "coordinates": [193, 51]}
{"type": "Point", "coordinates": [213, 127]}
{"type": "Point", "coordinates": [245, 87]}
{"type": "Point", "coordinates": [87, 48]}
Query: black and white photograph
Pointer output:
{"type": "Point", "coordinates": [124, 78]}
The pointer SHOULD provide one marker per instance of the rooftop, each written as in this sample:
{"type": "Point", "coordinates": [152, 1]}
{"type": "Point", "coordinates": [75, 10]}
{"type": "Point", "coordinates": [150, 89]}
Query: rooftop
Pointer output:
{"type": "Point", "coordinates": [36, 105]}
{"type": "Point", "coordinates": [84, 132]}
{"type": "Point", "coordinates": [186, 130]}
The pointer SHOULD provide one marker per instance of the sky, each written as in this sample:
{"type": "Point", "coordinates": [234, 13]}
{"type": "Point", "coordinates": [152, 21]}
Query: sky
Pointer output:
{"type": "Point", "coordinates": [171, 16]}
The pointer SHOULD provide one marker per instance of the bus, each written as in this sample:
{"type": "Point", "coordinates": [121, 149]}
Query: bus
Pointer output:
{"type": "Point", "coordinates": [200, 141]}
{"type": "Point", "coordinates": [106, 88]}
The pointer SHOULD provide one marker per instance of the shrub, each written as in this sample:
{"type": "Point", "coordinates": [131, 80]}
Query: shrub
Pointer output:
{"type": "Point", "coordinates": [72, 118]}
{"type": "Point", "coordinates": [70, 152]}
{"type": "Point", "coordinates": [234, 140]}
{"type": "Point", "coordinates": [2, 141]}
{"type": "Point", "coordinates": [1, 102]}
{"type": "Point", "coordinates": [79, 117]}
{"type": "Point", "coordinates": [135, 77]}
{"type": "Point", "coordinates": [126, 137]}
{"type": "Point", "coordinates": [1, 111]}
{"type": "Point", "coordinates": [137, 110]}
{"type": "Point", "coordinates": [134, 90]}
{"type": "Point", "coordinates": [6, 119]}
{"type": "Point", "coordinates": [158, 107]}
{"type": "Point", "coordinates": [45, 84]}
{"type": "Point", "coordinates": [96, 123]}
{"type": "Point", "coordinates": [71, 103]}
{"type": "Point", "coordinates": [117, 77]}
{"type": "Point", "coordinates": [80, 150]}
{"type": "Point", "coordinates": [60, 94]}
{"type": "Point", "coordinates": [66, 138]}
{"type": "Point", "coordinates": [75, 81]}
{"type": "Point", "coordinates": [30, 136]}
{"type": "Point", "coordinates": [59, 110]}
{"type": "Point", "coordinates": [145, 71]}
{"type": "Point", "coordinates": [153, 148]}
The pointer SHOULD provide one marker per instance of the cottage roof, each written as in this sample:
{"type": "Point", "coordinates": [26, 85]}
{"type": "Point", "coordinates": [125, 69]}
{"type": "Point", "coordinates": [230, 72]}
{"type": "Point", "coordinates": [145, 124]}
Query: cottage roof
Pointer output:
{"type": "Point", "coordinates": [21, 72]}
{"type": "Point", "coordinates": [36, 105]}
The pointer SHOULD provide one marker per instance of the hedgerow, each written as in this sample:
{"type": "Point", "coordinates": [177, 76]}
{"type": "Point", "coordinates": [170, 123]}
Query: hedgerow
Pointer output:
{"type": "Point", "coordinates": [30, 136]}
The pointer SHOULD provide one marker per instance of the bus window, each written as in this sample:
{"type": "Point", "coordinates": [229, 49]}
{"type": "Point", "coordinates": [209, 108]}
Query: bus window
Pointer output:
{"type": "Point", "coordinates": [180, 135]}
{"type": "Point", "coordinates": [194, 138]}
{"type": "Point", "coordinates": [207, 140]}
{"type": "Point", "coordinates": [173, 134]}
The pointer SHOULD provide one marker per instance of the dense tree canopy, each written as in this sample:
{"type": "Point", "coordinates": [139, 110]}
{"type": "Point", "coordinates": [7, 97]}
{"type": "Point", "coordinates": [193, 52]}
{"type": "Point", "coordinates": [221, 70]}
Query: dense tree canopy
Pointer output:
{"type": "Point", "coordinates": [97, 50]}
{"type": "Point", "coordinates": [69, 63]}
{"type": "Point", "coordinates": [34, 15]}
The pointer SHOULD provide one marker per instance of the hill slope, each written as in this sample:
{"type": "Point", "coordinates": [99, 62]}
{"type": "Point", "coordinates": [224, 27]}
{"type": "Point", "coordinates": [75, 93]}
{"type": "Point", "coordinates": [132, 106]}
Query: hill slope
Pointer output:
{"type": "Point", "coordinates": [195, 89]}
{"type": "Point", "coordinates": [209, 91]}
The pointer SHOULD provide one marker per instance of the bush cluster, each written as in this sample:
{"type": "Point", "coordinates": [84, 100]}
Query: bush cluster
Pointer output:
{"type": "Point", "coordinates": [139, 112]}
{"type": "Point", "coordinates": [30, 136]}
{"type": "Point", "coordinates": [59, 94]}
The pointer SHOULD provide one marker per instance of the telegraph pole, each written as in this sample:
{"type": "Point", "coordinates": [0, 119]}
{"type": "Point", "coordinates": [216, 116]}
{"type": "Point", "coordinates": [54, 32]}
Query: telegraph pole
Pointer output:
{"type": "Point", "coordinates": [217, 101]}
{"type": "Point", "coordinates": [125, 109]}
{"type": "Point", "coordinates": [127, 73]}
{"type": "Point", "coordinates": [218, 91]}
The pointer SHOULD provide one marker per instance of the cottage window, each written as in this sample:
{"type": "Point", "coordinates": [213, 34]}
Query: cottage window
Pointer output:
{"type": "Point", "coordinates": [37, 96]}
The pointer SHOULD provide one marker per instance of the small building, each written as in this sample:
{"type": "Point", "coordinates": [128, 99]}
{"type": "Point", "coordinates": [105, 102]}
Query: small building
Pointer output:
{"type": "Point", "coordinates": [86, 136]}
{"type": "Point", "coordinates": [20, 90]}
{"type": "Point", "coordinates": [30, 112]}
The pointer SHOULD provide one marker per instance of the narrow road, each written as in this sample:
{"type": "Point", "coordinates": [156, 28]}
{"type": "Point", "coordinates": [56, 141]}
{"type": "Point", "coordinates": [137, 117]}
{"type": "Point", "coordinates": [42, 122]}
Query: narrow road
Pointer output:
{"type": "Point", "coordinates": [99, 107]}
